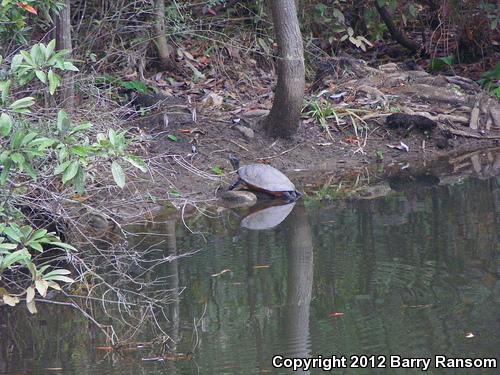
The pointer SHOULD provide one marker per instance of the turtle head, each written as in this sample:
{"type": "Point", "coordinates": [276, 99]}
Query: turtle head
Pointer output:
{"type": "Point", "coordinates": [235, 162]}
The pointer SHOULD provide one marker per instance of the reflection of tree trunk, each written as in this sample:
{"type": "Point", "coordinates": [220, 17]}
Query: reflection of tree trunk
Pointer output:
{"type": "Point", "coordinates": [63, 41]}
{"type": "Point", "coordinates": [299, 284]}
{"type": "Point", "coordinates": [172, 271]}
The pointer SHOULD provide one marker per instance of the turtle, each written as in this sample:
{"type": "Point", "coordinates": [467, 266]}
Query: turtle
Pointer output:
{"type": "Point", "coordinates": [264, 178]}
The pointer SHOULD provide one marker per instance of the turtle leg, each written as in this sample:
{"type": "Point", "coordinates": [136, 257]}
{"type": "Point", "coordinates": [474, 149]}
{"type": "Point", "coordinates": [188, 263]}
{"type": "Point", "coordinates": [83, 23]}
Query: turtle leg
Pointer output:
{"type": "Point", "coordinates": [288, 196]}
{"type": "Point", "coordinates": [235, 185]}
{"type": "Point", "coordinates": [291, 196]}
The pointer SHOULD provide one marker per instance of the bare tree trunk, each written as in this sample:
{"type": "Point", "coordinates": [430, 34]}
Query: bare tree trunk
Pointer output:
{"type": "Point", "coordinates": [396, 34]}
{"type": "Point", "coordinates": [284, 118]}
{"type": "Point", "coordinates": [165, 50]}
{"type": "Point", "coordinates": [63, 41]}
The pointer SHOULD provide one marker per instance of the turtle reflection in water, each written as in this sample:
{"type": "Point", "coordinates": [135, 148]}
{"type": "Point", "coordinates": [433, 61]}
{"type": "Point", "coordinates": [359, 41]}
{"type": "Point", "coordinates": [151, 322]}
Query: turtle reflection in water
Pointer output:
{"type": "Point", "coordinates": [267, 217]}
{"type": "Point", "coordinates": [264, 178]}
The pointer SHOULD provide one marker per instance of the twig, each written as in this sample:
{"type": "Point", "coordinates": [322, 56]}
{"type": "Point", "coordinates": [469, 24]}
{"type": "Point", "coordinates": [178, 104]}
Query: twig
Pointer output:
{"type": "Point", "coordinates": [280, 154]}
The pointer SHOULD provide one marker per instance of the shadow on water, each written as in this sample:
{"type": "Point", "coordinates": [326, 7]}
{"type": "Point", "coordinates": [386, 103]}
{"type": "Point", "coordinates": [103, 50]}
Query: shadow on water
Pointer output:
{"type": "Point", "coordinates": [412, 273]}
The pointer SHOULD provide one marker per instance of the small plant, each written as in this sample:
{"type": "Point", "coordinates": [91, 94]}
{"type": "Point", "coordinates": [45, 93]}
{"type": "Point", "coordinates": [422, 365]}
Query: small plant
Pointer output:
{"type": "Point", "coordinates": [490, 81]}
{"type": "Point", "coordinates": [217, 170]}
{"type": "Point", "coordinates": [441, 63]}
{"type": "Point", "coordinates": [41, 62]}
{"type": "Point", "coordinates": [134, 85]}
{"type": "Point", "coordinates": [323, 111]}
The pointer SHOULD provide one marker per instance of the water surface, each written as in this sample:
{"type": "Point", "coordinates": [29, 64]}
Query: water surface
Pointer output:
{"type": "Point", "coordinates": [414, 273]}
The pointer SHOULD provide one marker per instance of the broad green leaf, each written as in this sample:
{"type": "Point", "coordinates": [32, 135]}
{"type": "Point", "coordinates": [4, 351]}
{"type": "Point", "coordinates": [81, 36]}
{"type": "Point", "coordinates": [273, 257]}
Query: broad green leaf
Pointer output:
{"type": "Point", "coordinates": [8, 246]}
{"type": "Point", "coordinates": [56, 57]}
{"type": "Point", "coordinates": [50, 49]}
{"type": "Point", "coordinates": [39, 233]}
{"type": "Point", "coordinates": [71, 171]}
{"type": "Point", "coordinates": [27, 57]}
{"type": "Point", "coordinates": [5, 124]}
{"type": "Point", "coordinates": [66, 279]}
{"type": "Point", "coordinates": [112, 136]}
{"type": "Point", "coordinates": [12, 234]}
{"type": "Point", "coordinates": [4, 88]}
{"type": "Point", "coordinates": [61, 167]}
{"type": "Point", "coordinates": [26, 230]}
{"type": "Point", "coordinates": [80, 150]}
{"type": "Point", "coordinates": [5, 171]}
{"type": "Point", "coordinates": [37, 55]}
{"type": "Point", "coordinates": [137, 162]}
{"type": "Point", "coordinates": [80, 127]}
{"type": "Point", "coordinates": [63, 245]}
{"type": "Point", "coordinates": [63, 123]}
{"type": "Point", "coordinates": [17, 138]}
{"type": "Point", "coordinates": [28, 138]}
{"type": "Point", "coordinates": [118, 174]}
{"type": "Point", "coordinates": [57, 272]}
{"type": "Point", "coordinates": [17, 158]}
{"type": "Point", "coordinates": [43, 143]}
{"type": "Point", "coordinates": [23, 103]}
{"type": "Point", "coordinates": [173, 138]}
{"type": "Point", "coordinates": [35, 245]}
{"type": "Point", "coordinates": [16, 61]}
{"type": "Point", "coordinates": [79, 181]}
{"type": "Point", "coordinates": [15, 257]}
{"type": "Point", "coordinates": [70, 66]}
{"type": "Point", "coordinates": [54, 81]}
{"type": "Point", "coordinates": [40, 74]}
{"type": "Point", "coordinates": [30, 171]}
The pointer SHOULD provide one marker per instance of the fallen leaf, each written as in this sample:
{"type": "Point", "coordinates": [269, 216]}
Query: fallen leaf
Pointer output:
{"type": "Point", "coordinates": [351, 140]}
{"type": "Point", "coordinates": [27, 8]}
{"type": "Point", "coordinates": [402, 146]}
{"type": "Point", "coordinates": [469, 335]}
{"type": "Point", "coordinates": [10, 300]}
{"type": "Point", "coordinates": [335, 314]}
{"type": "Point", "coordinates": [212, 100]}
{"type": "Point", "coordinates": [262, 266]}
{"type": "Point", "coordinates": [211, 11]}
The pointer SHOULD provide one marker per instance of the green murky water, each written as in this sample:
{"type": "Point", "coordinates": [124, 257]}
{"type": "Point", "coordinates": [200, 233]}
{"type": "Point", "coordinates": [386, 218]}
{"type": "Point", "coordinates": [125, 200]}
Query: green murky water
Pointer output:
{"type": "Point", "coordinates": [414, 274]}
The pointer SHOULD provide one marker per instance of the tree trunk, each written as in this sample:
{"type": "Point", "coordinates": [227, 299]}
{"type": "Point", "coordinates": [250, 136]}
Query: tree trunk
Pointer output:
{"type": "Point", "coordinates": [284, 118]}
{"type": "Point", "coordinates": [165, 50]}
{"type": "Point", "coordinates": [63, 41]}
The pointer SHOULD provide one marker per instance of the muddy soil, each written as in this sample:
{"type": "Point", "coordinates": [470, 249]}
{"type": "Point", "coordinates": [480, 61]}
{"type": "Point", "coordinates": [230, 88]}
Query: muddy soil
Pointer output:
{"type": "Point", "coordinates": [195, 174]}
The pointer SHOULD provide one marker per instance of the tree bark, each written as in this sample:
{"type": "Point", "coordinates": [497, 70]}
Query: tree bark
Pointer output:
{"type": "Point", "coordinates": [165, 50]}
{"type": "Point", "coordinates": [63, 41]}
{"type": "Point", "coordinates": [284, 118]}
{"type": "Point", "coordinates": [396, 34]}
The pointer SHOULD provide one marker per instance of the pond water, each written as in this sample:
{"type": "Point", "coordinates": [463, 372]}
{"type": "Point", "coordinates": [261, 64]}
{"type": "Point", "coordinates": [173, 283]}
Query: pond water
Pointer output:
{"type": "Point", "coordinates": [412, 274]}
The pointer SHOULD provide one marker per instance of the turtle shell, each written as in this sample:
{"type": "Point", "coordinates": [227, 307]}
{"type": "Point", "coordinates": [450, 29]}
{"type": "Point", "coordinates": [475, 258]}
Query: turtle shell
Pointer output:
{"type": "Point", "coordinates": [265, 177]}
